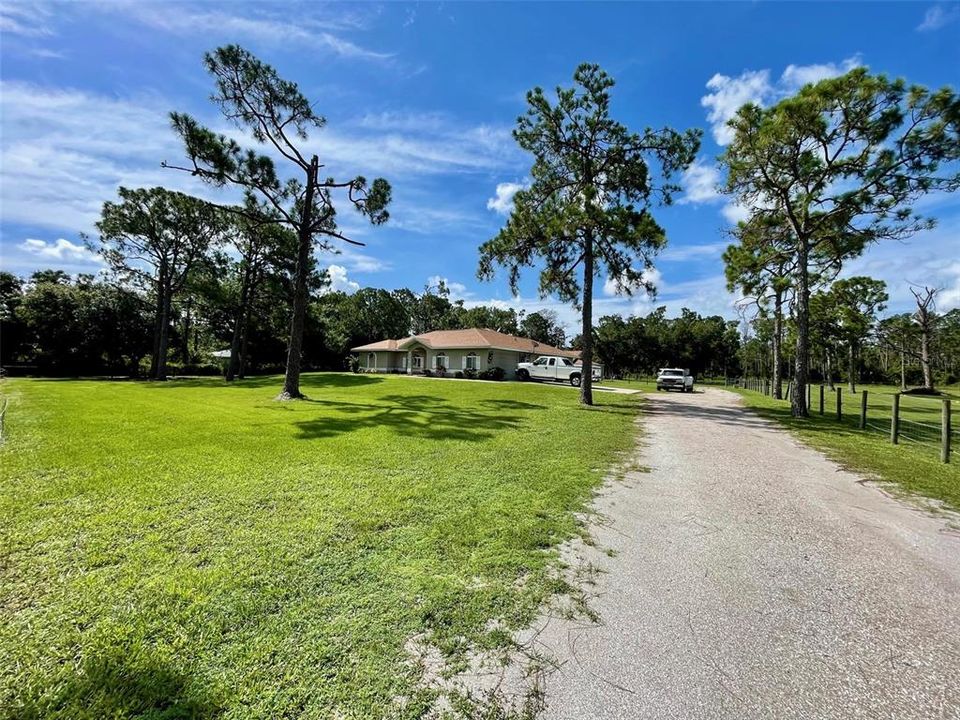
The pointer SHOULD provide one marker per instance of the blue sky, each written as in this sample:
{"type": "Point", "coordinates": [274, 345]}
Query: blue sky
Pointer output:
{"type": "Point", "coordinates": [426, 95]}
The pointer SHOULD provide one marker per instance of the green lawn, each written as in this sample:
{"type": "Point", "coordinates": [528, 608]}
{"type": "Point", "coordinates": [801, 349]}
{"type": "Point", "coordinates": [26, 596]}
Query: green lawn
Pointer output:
{"type": "Point", "coordinates": [189, 549]}
{"type": "Point", "coordinates": [914, 464]}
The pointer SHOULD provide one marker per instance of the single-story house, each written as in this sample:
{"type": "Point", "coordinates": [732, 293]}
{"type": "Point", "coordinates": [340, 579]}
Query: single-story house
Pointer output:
{"type": "Point", "coordinates": [455, 350]}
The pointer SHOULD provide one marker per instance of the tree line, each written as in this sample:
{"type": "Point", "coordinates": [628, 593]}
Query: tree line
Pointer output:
{"type": "Point", "coordinates": [854, 341]}
{"type": "Point", "coordinates": [54, 324]}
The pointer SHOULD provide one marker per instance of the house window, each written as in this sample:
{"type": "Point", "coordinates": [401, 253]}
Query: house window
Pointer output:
{"type": "Point", "coordinates": [371, 361]}
{"type": "Point", "coordinates": [470, 361]}
{"type": "Point", "coordinates": [440, 361]}
{"type": "Point", "coordinates": [417, 361]}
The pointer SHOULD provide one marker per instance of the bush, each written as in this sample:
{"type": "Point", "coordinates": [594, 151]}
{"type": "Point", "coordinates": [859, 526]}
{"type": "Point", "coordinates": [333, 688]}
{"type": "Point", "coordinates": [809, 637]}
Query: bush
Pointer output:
{"type": "Point", "coordinates": [470, 374]}
{"type": "Point", "coordinates": [494, 373]}
{"type": "Point", "coordinates": [194, 369]}
{"type": "Point", "coordinates": [428, 373]}
{"type": "Point", "coordinates": [458, 375]}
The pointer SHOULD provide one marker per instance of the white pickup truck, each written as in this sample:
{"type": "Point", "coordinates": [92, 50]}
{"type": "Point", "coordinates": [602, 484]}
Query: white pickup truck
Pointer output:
{"type": "Point", "coordinates": [553, 367]}
{"type": "Point", "coordinates": [675, 379]}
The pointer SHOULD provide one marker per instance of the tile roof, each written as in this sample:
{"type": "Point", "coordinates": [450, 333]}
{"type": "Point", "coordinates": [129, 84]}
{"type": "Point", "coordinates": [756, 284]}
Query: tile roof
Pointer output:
{"type": "Point", "coordinates": [469, 338]}
{"type": "Point", "coordinates": [390, 345]}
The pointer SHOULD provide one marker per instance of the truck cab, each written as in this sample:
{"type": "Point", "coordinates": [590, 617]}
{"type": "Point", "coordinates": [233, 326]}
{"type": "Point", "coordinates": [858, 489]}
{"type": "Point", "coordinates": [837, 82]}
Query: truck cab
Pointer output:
{"type": "Point", "coordinates": [675, 379]}
{"type": "Point", "coordinates": [555, 368]}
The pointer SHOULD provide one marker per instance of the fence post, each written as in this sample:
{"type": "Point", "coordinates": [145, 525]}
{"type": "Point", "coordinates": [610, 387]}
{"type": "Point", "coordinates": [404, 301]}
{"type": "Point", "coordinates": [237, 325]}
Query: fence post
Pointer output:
{"type": "Point", "coordinates": [809, 396]}
{"type": "Point", "coordinates": [895, 420]}
{"type": "Point", "coordinates": [821, 398]}
{"type": "Point", "coordinates": [863, 410]}
{"type": "Point", "coordinates": [839, 404]}
{"type": "Point", "coordinates": [945, 432]}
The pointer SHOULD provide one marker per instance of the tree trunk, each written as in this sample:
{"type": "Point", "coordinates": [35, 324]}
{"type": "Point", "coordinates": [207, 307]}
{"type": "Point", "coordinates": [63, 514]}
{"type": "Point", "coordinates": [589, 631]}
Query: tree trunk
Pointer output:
{"type": "Point", "coordinates": [852, 370]}
{"type": "Point", "coordinates": [777, 345]}
{"type": "Point", "coordinates": [586, 331]}
{"type": "Point", "coordinates": [238, 323]}
{"type": "Point", "coordinates": [233, 366]}
{"type": "Point", "coordinates": [829, 372]}
{"type": "Point", "coordinates": [801, 364]}
{"type": "Point", "coordinates": [925, 356]}
{"type": "Point", "coordinates": [291, 381]}
{"type": "Point", "coordinates": [161, 373]}
{"type": "Point", "coordinates": [242, 371]}
{"type": "Point", "coordinates": [903, 369]}
{"type": "Point", "coordinates": [158, 319]}
{"type": "Point", "coordinates": [185, 340]}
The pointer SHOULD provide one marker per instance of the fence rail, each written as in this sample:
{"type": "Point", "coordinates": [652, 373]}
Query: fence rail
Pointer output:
{"type": "Point", "coordinates": [916, 432]}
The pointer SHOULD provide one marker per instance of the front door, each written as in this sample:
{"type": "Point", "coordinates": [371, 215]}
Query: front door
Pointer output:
{"type": "Point", "coordinates": [417, 358]}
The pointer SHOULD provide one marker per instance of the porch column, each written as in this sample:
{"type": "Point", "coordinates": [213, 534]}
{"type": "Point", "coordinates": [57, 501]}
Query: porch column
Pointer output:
{"type": "Point", "coordinates": [409, 362]}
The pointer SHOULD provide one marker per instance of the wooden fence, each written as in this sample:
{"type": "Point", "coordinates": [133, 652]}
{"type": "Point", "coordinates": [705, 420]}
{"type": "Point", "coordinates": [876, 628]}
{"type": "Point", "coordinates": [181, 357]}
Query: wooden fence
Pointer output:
{"type": "Point", "coordinates": [899, 424]}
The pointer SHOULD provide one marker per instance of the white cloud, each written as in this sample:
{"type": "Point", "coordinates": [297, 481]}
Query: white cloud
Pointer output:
{"type": "Point", "coordinates": [309, 31]}
{"type": "Point", "coordinates": [432, 220]}
{"type": "Point", "coordinates": [949, 297]}
{"type": "Point", "coordinates": [47, 54]}
{"type": "Point", "coordinates": [796, 76]}
{"type": "Point", "coordinates": [704, 251]}
{"type": "Point", "coordinates": [339, 282]}
{"type": "Point", "coordinates": [937, 16]}
{"type": "Point", "coordinates": [61, 250]}
{"type": "Point", "coordinates": [502, 204]}
{"type": "Point", "coordinates": [357, 261]}
{"type": "Point", "coordinates": [613, 287]}
{"type": "Point", "coordinates": [700, 181]}
{"type": "Point", "coordinates": [65, 152]}
{"type": "Point", "coordinates": [928, 258]}
{"type": "Point", "coordinates": [458, 291]}
{"type": "Point", "coordinates": [735, 213]}
{"type": "Point", "coordinates": [25, 19]}
{"type": "Point", "coordinates": [729, 94]}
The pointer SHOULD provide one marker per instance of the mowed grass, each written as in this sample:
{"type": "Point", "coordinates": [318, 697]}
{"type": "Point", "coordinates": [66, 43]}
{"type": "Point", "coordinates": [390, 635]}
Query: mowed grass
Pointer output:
{"type": "Point", "coordinates": [190, 549]}
{"type": "Point", "coordinates": [914, 464]}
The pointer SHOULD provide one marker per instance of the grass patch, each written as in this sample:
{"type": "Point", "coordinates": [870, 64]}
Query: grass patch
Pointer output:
{"type": "Point", "coordinates": [189, 549]}
{"type": "Point", "coordinates": [914, 464]}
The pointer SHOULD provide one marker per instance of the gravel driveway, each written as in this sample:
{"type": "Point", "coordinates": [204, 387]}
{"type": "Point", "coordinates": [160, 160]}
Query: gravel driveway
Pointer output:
{"type": "Point", "coordinates": [752, 578]}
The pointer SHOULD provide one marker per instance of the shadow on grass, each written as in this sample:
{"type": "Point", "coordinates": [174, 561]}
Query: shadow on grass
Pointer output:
{"type": "Point", "coordinates": [512, 405]}
{"type": "Point", "coordinates": [316, 381]}
{"type": "Point", "coordinates": [125, 686]}
{"type": "Point", "coordinates": [424, 416]}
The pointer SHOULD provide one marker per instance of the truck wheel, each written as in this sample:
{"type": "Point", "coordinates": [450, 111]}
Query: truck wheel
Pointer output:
{"type": "Point", "coordinates": [523, 375]}
{"type": "Point", "coordinates": [575, 380]}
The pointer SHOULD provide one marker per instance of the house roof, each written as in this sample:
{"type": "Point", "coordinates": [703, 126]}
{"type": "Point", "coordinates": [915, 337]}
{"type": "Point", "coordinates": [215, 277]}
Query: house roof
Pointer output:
{"type": "Point", "coordinates": [470, 338]}
{"type": "Point", "coordinates": [390, 345]}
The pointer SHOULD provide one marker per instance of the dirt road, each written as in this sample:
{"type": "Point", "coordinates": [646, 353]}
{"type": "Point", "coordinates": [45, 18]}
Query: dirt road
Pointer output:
{"type": "Point", "coordinates": [752, 578]}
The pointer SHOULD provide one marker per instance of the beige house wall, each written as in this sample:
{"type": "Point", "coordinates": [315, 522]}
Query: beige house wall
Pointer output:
{"type": "Point", "coordinates": [391, 362]}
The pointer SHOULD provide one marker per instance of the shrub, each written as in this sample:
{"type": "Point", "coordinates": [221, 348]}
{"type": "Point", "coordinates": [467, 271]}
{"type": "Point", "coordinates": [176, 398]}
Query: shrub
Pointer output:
{"type": "Point", "coordinates": [470, 374]}
{"type": "Point", "coordinates": [494, 373]}
{"type": "Point", "coordinates": [428, 373]}
{"type": "Point", "coordinates": [458, 375]}
{"type": "Point", "coordinates": [174, 368]}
